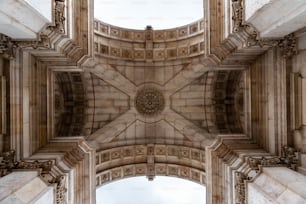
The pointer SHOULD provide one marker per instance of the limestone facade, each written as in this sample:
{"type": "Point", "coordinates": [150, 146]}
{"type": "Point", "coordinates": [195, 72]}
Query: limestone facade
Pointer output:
{"type": "Point", "coordinates": [219, 101]}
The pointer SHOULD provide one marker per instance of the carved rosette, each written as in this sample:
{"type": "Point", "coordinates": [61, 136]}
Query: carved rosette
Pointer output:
{"type": "Point", "coordinates": [149, 102]}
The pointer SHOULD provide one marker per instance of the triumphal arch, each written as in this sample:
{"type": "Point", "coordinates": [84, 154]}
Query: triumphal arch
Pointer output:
{"type": "Point", "coordinates": [220, 101]}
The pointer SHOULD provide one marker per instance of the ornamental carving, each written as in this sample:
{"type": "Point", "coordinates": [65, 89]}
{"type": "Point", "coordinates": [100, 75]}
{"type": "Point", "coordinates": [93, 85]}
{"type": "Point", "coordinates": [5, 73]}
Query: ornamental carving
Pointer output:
{"type": "Point", "coordinates": [237, 15]}
{"type": "Point", "coordinates": [240, 187]}
{"type": "Point", "coordinates": [61, 189]}
{"type": "Point", "coordinates": [253, 38]}
{"type": "Point", "coordinates": [288, 45]}
{"type": "Point", "coordinates": [289, 159]}
{"type": "Point", "coordinates": [59, 12]}
{"type": "Point", "coordinates": [149, 101]}
{"type": "Point", "coordinates": [8, 164]}
{"type": "Point", "coordinates": [7, 46]}
{"type": "Point", "coordinates": [256, 162]}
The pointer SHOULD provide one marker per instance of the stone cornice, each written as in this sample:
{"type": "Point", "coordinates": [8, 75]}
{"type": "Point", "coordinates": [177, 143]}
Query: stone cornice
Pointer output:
{"type": "Point", "coordinates": [56, 40]}
{"type": "Point", "coordinates": [253, 167]}
{"type": "Point", "coordinates": [242, 43]}
{"type": "Point", "coordinates": [45, 167]}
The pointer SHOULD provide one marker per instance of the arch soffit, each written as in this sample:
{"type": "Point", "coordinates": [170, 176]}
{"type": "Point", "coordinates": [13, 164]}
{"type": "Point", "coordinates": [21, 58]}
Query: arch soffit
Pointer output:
{"type": "Point", "coordinates": [150, 160]}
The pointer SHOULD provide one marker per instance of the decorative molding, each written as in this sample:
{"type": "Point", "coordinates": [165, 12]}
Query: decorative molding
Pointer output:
{"type": "Point", "coordinates": [141, 169]}
{"type": "Point", "coordinates": [256, 162]}
{"type": "Point", "coordinates": [45, 166]}
{"type": "Point", "coordinates": [7, 46]}
{"type": "Point", "coordinates": [289, 158]}
{"type": "Point", "coordinates": [240, 187]}
{"type": "Point", "coordinates": [237, 15]}
{"type": "Point", "coordinates": [253, 38]}
{"type": "Point", "coordinates": [108, 40]}
{"type": "Point", "coordinates": [42, 42]}
{"type": "Point", "coordinates": [150, 162]}
{"type": "Point", "coordinates": [7, 162]}
{"type": "Point", "coordinates": [61, 189]}
{"type": "Point", "coordinates": [179, 33]}
{"type": "Point", "coordinates": [288, 45]}
{"type": "Point", "coordinates": [59, 16]}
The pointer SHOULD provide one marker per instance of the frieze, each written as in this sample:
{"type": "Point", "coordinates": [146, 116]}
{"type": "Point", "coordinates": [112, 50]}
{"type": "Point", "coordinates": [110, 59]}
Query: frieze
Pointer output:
{"type": "Point", "coordinates": [156, 53]}
{"type": "Point", "coordinates": [139, 151]}
{"type": "Point", "coordinates": [150, 171]}
{"type": "Point", "coordinates": [289, 158]}
{"type": "Point", "coordinates": [150, 160]}
{"type": "Point", "coordinates": [255, 163]}
{"type": "Point", "coordinates": [178, 33]}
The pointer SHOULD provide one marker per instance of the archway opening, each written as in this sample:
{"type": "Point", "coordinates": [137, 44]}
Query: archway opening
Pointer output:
{"type": "Point", "coordinates": [160, 14]}
{"type": "Point", "coordinates": [162, 190]}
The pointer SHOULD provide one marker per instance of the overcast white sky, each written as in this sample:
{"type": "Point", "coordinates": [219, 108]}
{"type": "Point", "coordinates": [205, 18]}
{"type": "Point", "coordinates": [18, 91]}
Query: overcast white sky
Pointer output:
{"type": "Point", "coordinates": [137, 14]}
{"type": "Point", "coordinates": [162, 190]}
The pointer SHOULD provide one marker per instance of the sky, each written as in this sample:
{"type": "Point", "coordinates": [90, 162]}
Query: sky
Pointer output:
{"type": "Point", "coordinates": [137, 14]}
{"type": "Point", "coordinates": [162, 190]}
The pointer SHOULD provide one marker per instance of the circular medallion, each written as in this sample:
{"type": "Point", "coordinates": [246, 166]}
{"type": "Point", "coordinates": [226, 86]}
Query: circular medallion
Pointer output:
{"type": "Point", "coordinates": [149, 101]}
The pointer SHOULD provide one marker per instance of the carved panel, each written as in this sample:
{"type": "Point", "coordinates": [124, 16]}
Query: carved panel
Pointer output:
{"type": "Point", "coordinates": [150, 160]}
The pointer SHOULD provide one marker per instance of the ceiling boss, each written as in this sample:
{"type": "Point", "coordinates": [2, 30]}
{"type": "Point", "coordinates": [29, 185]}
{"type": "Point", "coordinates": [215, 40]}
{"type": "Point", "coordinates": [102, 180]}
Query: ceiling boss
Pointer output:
{"type": "Point", "coordinates": [149, 102]}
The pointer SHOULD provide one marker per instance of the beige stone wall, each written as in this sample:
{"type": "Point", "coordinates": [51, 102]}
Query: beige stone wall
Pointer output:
{"type": "Point", "coordinates": [104, 103]}
{"type": "Point", "coordinates": [269, 100]}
